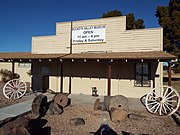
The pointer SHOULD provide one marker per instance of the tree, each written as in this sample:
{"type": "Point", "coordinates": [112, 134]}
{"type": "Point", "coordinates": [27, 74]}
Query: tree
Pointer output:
{"type": "Point", "coordinates": [131, 23]}
{"type": "Point", "coordinates": [139, 24]}
{"type": "Point", "coordinates": [169, 19]}
{"type": "Point", "coordinates": [113, 13]}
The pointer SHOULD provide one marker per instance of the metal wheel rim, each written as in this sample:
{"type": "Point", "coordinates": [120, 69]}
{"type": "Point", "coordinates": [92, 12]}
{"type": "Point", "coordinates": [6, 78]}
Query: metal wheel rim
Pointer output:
{"type": "Point", "coordinates": [14, 89]}
{"type": "Point", "coordinates": [164, 100]}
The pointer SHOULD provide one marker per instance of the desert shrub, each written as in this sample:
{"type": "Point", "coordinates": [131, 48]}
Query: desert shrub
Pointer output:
{"type": "Point", "coordinates": [7, 75]}
{"type": "Point", "coordinates": [29, 72]}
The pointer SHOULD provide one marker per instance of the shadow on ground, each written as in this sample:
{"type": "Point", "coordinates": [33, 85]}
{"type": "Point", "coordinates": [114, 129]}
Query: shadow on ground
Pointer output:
{"type": "Point", "coordinates": [36, 127]}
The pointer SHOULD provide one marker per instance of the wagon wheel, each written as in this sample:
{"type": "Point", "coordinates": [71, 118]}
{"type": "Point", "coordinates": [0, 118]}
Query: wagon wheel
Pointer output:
{"type": "Point", "coordinates": [14, 89]}
{"type": "Point", "coordinates": [164, 100]}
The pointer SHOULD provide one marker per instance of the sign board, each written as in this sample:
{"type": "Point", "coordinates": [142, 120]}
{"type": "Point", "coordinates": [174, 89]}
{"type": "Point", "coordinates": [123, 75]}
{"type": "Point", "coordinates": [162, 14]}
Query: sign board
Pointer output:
{"type": "Point", "coordinates": [89, 34]}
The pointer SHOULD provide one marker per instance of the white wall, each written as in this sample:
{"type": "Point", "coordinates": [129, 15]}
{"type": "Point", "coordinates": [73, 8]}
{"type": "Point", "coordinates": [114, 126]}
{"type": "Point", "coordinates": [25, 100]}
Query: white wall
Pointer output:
{"type": "Point", "coordinates": [22, 71]}
{"type": "Point", "coordinates": [118, 39]}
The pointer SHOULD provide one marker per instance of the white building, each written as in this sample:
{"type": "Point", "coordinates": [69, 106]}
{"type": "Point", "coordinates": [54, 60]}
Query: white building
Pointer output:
{"type": "Point", "coordinates": [97, 53]}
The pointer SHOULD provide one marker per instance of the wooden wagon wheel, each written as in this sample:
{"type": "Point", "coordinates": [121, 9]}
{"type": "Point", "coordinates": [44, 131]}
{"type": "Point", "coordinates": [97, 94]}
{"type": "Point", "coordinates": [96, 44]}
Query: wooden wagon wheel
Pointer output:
{"type": "Point", "coordinates": [164, 100]}
{"type": "Point", "coordinates": [14, 89]}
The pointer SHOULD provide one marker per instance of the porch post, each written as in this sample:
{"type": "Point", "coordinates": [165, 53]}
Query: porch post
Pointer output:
{"type": "Point", "coordinates": [61, 77]}
{"type": "Point", "coordinates": [169, 73]}
{"type": "Point", "coordinates": [109, 78]}
{"type": "Point", "coordinates": [13, 70]}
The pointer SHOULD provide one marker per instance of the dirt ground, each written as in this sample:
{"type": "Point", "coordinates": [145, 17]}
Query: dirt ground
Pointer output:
{"type": "Point", "coordinates": [145, 124]}
{"type": "Point", "coordinates": [60, 124]}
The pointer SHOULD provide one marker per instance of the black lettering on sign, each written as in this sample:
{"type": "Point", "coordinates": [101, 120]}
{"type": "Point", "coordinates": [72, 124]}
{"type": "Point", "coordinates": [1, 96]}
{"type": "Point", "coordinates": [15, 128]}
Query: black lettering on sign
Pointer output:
{"type": "Point", "coordinates": [87, 32]}
{"type": "Point", "coordinates": [95, 36]}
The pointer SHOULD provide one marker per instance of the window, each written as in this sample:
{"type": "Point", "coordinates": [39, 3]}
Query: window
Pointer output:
{"type": "Point", "coordinates": [142, 74]}
{"type": "Point", "coordinates": [24, 65]}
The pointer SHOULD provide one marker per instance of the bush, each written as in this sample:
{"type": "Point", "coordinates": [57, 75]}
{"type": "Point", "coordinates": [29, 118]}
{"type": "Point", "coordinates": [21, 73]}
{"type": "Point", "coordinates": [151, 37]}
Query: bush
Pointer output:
{"type": "Point", "coordinates": [29, 72]}
{"type": "Point", "coordinates": [7, 75]}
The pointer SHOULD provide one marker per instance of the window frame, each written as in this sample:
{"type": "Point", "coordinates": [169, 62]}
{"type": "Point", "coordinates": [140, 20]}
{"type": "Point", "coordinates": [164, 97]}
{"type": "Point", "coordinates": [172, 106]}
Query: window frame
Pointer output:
{"type": "Point", "coordinates": [142, 75]}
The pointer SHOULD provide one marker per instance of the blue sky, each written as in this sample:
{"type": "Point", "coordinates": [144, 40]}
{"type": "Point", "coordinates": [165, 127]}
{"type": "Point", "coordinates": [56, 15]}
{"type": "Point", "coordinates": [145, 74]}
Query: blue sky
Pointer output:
{"type": "Point", "coordinates": [22, 19]}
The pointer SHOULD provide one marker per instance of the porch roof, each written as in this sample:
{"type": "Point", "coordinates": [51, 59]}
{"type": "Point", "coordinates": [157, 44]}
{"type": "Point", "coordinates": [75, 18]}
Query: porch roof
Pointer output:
{"type": "Point", "coordinates": [146, 55]}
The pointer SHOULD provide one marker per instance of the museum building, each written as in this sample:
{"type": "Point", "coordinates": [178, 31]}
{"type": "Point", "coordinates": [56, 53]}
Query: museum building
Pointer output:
{"type": "Point", "coordinates": [96, 55]}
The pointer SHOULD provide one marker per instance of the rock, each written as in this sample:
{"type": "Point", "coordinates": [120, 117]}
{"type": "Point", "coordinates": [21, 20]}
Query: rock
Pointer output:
{"type": "Point", "coordinates": [99, 105]}
{"type": "Point", "coordinates": [135, 116]}
{"type": "Point", "coordinates": [3, 122]}
{"type": "Point", "coordinates": [51, 91]}
{"type": "Point", "coordinates": [11, 127]}
{"type": "Point", "coordinates": [106, 101]}
{"type": "Point", "coordinates": [19, 131]}
{"type": "Point", "coordinates": [102, 107]}
{"type": "Point", "coordinates": [39, 105]}
{"type": "Point", "coordinates": [61, 99]}
{"type": "Point", "coordinates": [117, 114]}
{"type": "Point", "coordinates": [96, 104]}
{"type": "Point", "coordinates": [77, 121]}
{"type": "Point", "coordinates": [54, 109]}
{"type": "Point", "coordinates": [119, 101]}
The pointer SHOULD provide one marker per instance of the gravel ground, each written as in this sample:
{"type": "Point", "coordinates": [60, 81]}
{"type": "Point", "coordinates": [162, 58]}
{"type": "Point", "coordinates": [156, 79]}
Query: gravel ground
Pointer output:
{"type": "Point", "coordinates": [146, 124]}
{"type": "Point", "coordinates": [60, 124]}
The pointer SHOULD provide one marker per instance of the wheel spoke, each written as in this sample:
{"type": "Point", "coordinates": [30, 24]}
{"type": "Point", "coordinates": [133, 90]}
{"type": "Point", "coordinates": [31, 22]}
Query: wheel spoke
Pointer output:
{"type": "Point", "coordinates": [161, 91]}
{"type": "Point", "coordinates": [169, 93]}
{"type": "Point", "coordinates": [166, 91]}
{"type": "Point", "coordinates": [164, 108]}
{"type": "Point", "coordinates": [153, 106]}
{"type": "Point", "coordinates": [20, 92]}
{"type": "Point", "coordinates": [151, 100]}
{"type": "Point", "coordinates": [17, 95]}
{"type": "Point", "coordinates": [13, 84]}
{"type": "Point", "coordinates": [23, 90]}
{"type": "Point", "coordinates": [16, 83]}
{"type": "Point", "coordinates": [22, 87]}
{"type": "Point", "coordinates": [20, 84]}
{"type": "Point", "coordinates": [10, 85]}
{"type": "Point", "coordinates": [172, 101]}
{"type": "Point", "coordinates": [8, 90]}
{"type": "Point", "coordinates": [168, 107]}
{"type": "Point", "coordinates": [152, 103]}
{"type": "Point", "coordinates": [172, 96]}
{"type": "Point", "coordinates": [169, 104]}
{"type": "Point", "coordinates": [160, 109]}
{"type": "Point", "coordinates": [157, 108]}
{"type": "Point", "coordinates": [9, 93]}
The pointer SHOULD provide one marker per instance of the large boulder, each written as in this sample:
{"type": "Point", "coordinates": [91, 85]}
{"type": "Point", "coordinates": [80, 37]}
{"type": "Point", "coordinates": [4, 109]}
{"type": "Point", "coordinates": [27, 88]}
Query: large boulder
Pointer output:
{"type": "Point", "coordinates": [54, 109]}
{"type": "Point", "coordinates": [16, 127]}
{"type": "Point", "coordinates": [96, 104]}
{"type": "Point", "coordinates": [117, 114]}
{"type": "Point", "coordinates": [118, 101]}
{"type": "Point", "coordinates": [61, 99]}
{"type": "Point", "coordinates": [99, 105]}
{"type": "Point", "coordinates": [39, 105]}
{"type": "Point", "coordinates": [117, 106]}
